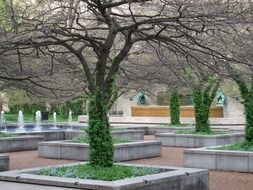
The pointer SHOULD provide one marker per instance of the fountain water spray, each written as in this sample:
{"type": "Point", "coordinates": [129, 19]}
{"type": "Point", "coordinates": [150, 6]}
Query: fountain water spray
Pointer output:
{"type": "Point", "coordinates": [38, 120]}
{"type": "Point", "coordinates": [3, 121]}
{"type": "Point", "coordinates": [20, 120]}
{"type": "Point", "coordinates": [54, 120]}
{"type": "Point", "coordinates": [70, 119]}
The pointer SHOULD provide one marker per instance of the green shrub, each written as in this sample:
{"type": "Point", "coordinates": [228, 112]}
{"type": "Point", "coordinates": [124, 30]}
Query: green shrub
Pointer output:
{"type": "Point", "coordinates": [27, 108]}
{"type": "Point", "coordinates": [88, 171]}
{"type": "Point", "coordinates": [174, 108]}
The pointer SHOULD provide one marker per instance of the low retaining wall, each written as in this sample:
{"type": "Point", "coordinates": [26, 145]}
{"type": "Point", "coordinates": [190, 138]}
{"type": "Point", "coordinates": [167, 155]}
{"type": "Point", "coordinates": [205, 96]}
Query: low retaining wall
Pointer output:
{"type": "Point", "coordinates": [48, 135]}
{"type": "Point", "coordinates": [164, 129]}
{"type": "Point", "coordinates": [219, 159]}
{"type": "Point", "coordinates": [20, 143]}
{"type": "Point", "coordinates": [195, 141]}
{"type": "Point", "coordinates": [123, 134]}
{"type": "Point", "coordinates": [4, 162]}
{"type": "Point", "coordinates": [152, 130]}
{"type": "Point", "coordinates": [122, 152]}
{"type": "Point", "coordinates": [171, 178]}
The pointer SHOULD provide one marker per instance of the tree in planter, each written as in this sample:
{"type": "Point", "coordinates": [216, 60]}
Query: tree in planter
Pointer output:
{"type": "Point", "coordinates": [203, 99]}
{"type": "Point", "coordinates": [174, 108]}
{"type": "Point", "coordinates": [98, 36]}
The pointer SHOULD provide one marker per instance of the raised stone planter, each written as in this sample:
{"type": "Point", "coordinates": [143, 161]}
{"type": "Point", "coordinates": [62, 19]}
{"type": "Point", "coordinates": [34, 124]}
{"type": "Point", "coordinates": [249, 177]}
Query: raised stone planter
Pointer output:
{"type": "Point", "coordinates": [125, 134]}
{"type": "Point", "coordinates": [157, 129]}
{"type": "Point", "coordinates": [20, 143]}
{"type": "Point", "coordinates": [239, 161]}
{"type": "Point", "coordinates": [170, 178]}
{"type": "Point", "coordinates": [47, 135]}
{"type": "Point", "coordinates": [77, 151]}
{"type": "Point", "coordinates": [4, 162]}
{"type": "Point", "coordinates": [152, 130]}
{"type": "Point", "coordinates": [195, 141]}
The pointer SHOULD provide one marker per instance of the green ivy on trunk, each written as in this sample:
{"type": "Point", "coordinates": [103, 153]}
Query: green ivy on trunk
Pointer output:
{"type": "Point", "coordinates": [101, 148]}
{"type": "Point", "coordinates": [247, 95]}
{"type": "Point", "coordinates": [174, 108]}
{"type": "Point", "coordinates": [203, 99]}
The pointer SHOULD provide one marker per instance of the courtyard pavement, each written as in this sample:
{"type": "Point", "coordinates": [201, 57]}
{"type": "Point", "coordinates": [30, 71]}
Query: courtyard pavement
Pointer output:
{"type": "Point", "coordinates": [170, 157]}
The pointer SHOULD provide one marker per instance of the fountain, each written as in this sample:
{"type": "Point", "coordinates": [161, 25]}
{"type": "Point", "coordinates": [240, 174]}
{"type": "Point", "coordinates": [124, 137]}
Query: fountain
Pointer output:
{"type": "Point", "coordinates": [70, 120]}
{"type": "Point", "coordinates": [3, 121]}
{"type": "Point", "coordinates": [38, 120]}
{"type": "Point", "coordinates": [20, 121]}
{"type": "Point", "coordinates": [54, 120]}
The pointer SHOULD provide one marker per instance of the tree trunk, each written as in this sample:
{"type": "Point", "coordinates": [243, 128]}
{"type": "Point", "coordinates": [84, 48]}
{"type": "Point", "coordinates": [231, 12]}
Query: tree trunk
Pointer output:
{"type": "Point", "coordinates": [201, 108]}
{"type": "Point", "coordinates": [101, 150]}
{"type": "Point", "coordinates": [174, 108]}
{"type": "Point", "coordinates": [248, 105]}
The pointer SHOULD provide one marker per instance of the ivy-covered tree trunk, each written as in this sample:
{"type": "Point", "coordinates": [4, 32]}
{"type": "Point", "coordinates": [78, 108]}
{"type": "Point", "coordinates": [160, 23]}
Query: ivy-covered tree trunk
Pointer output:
{"type": "Point", "coordinates": [203, 99]}
{"type": "Point", "coordinates": [247, 95]}
{"type": "Point", "coordinates": [174, 108]}
{"type": "Point", "coordinates": [201, 108]}
{"type": "Point", "coordinates": [101, 150]}
{"type": "Point", "coordinates": [248, 106]}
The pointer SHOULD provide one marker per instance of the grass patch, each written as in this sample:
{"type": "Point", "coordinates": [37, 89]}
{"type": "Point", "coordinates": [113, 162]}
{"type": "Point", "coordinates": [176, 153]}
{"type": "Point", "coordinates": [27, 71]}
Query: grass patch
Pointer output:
{"type": "Point", "coordinates": [193, 132]}
{"type": "Point", "coordinates": [5, 135]}
{"type": "Point", "coordinates": [86, 171]}
{"type": "Point", "coordinates": [85, 140]}
{"type": "Point", "coordinates": [31, 118]}
{"type": "Point", "coordinates": [243, 146]}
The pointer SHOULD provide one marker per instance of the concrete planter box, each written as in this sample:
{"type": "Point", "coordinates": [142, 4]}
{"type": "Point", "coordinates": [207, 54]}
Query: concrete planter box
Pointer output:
{"type": "Point", "coordinates": [157, 129]}
{"type": "Point", "coordinates": [20, 143]}
{"type": "Point", "coordinates": [4, 162]}
{"type": "Point", "coordinates": [171, 178]}
{"type": "Point", "coordinates": [195, 141]}
{"type": "Point", "coordinates": [152, 130]}
{"type": "Point", "coordinates": [122, 134]}
{"type": "Point", "coordinates": [76, 151]}
{"type": "Point", "coordinates": [240, 161]}
{"type": "Point", "coordinates": [47, 135]}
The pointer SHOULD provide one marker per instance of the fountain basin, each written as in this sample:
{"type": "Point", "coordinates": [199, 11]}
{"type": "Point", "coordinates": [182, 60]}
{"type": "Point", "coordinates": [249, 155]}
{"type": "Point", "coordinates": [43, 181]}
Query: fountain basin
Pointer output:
{"type": "Point", "coordinates": [19, 143]}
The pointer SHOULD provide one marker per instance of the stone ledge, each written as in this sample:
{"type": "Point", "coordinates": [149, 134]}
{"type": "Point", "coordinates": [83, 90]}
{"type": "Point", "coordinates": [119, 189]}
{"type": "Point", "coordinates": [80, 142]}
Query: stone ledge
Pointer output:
{"type": "Point", "coordinates": [172, 178]}
{"type": "Point", "coordinates": [195, 141]}
{"type": "Point", "coordinates": [240, 161]}
{"type": "Point", "coordinates": [20, 143]}
{"type": "Point", "coordinates": [77, 151]}
{"type": "Point", "coordinates": [4, 162]}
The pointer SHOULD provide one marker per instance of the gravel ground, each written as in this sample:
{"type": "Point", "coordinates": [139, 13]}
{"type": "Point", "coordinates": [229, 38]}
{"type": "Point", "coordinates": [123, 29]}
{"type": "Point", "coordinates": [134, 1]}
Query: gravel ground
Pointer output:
{"type": "Point", "coordinates": [170, 156]}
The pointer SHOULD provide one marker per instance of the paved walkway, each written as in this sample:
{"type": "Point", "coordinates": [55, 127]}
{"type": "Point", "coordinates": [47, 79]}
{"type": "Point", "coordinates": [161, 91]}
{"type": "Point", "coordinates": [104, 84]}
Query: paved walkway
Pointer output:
{"type": "Point", "coordinates": [170, 157]}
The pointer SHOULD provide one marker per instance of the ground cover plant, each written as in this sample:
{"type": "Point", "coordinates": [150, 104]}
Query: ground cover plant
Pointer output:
{"type": "Point", "coordinates": [87, 171]}
{"type": "Point", "coordinates": [4, 135]}
{"type": "Point", "coordinates": [243, 146]}
{"type": "Point", "coordinates": [86, 140]}
{"type": "Point", "coordinates": [193, 132]}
